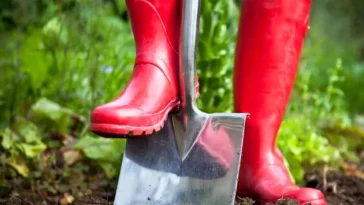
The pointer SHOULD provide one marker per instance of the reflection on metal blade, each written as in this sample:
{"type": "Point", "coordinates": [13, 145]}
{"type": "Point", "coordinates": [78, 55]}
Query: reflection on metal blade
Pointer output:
{"type": "Point", "coordinates": [153, 172]}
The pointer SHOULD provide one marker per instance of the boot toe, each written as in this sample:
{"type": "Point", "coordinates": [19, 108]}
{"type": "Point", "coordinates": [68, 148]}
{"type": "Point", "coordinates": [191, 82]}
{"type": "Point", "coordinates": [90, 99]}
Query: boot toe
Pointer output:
{"type": "Point", "coordinates": [118, 120]}
{"type": "Point", "coordinates": [108, 114]}
{"type": "Point", "coordinates": [307, 196]}
{"type": "Point", "coordinates": [270, 183]}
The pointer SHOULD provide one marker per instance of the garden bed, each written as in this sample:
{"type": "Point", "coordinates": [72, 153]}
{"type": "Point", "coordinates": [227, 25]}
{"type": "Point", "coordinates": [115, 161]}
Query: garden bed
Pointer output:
{"type": "Point", "coordinates": [339, 188]}
{"type": "Point", "coordinates": [85, 184]}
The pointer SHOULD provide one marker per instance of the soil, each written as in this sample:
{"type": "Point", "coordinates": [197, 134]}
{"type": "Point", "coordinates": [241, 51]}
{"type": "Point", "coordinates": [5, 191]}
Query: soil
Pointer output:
{"type": "Point", "coordinates": [91, 186]}
{"type": "Point", "coordinates": [338, 188]}
{"type": "Point", "coordinates": [249, 201]}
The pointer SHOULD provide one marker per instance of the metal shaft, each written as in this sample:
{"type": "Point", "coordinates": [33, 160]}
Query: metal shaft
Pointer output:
{"type": "Point", "coordinates": [187, 72]}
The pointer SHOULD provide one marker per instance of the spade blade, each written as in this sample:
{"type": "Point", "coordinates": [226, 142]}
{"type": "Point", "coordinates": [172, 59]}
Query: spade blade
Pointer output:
{"type": "Point", "coordinates": [154, 172]}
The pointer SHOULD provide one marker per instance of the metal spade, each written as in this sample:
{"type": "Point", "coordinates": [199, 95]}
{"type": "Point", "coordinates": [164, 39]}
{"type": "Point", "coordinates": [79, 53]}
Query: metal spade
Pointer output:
{"type": "Point", "coordinates": [195, 158]}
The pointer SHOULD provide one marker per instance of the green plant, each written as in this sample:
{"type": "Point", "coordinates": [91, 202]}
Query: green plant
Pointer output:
{"type": "Point", "coordinates": [216, 48]}
{"type": "Point", "coordinates": [24, 138]}
{"type": "Point", "coordinates": [78, 55]}
{"type": "Point", "coordinates": [23, 141]}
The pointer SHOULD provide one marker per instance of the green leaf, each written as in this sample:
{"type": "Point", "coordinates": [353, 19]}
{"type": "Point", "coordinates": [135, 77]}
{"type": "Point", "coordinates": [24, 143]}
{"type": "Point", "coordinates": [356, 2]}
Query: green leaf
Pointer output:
{"type": "Point", "coordinates": [27, 130]}
{"type": "Point", "coordinates": [102, 149]}
{"type": "Point", "coordinates": [19, 164]}
{"type": "Point", "coordinates": [50, 109]}
{"type": "Point", "coordinates": [55, 30]}
{"type": "Point", "coordinates": [109, 169]}
{"type": "Point", "coordinates": [32, 150]}
{"type": "Point", "coordinates": [105, 151]}
{"type": "Point", "coordinates": [34, 61]}
{"type": "Point", "coordinates": [25, 138]}
{"type": "Point", "coordinates": [9, 138]}
{"type": "Point", "coordinates": [46, 110]}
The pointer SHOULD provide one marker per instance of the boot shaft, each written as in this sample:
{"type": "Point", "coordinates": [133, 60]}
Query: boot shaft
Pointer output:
{"type": "Point", "coordinates": [270, 40]}
{"type": "Point", "coordinates": [155, 25]}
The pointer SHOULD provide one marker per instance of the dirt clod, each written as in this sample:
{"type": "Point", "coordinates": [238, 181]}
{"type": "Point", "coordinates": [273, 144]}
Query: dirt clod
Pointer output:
{"type": "Point", "coordinates": [244, 201]}
{"type": "Point", "coordinates": [287, 202]}
{"type": "Point", "coordinates": [340, 189]}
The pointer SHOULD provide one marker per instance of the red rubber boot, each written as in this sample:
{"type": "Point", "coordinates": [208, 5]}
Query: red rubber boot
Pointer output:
{"type": "Point", "coordinates": [270, 40]}
{"type": "Point", "coordinates": [152, 92]}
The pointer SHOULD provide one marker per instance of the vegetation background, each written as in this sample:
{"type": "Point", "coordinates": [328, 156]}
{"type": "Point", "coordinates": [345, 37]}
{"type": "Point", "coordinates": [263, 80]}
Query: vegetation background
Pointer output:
{"type": "Point", "coordinates": [61, 58]}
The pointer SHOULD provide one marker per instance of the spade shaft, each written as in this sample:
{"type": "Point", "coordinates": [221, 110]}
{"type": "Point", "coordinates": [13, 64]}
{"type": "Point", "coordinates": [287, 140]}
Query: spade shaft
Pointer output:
{"type": "Point", "coordinates": [190, 25]}
{"type": "Point", "coordinates": [190, 121]}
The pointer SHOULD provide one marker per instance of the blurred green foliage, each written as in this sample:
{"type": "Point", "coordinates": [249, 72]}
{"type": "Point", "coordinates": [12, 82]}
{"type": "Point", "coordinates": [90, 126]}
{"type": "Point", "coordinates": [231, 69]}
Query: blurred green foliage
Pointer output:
{"type": "Point", "coordinates": [60, 59]}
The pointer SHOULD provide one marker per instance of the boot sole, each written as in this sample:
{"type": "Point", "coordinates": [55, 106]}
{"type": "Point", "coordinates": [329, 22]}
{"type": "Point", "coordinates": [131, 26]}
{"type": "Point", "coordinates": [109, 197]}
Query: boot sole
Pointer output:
{"type": "Point", "coordinates": [129, 131]}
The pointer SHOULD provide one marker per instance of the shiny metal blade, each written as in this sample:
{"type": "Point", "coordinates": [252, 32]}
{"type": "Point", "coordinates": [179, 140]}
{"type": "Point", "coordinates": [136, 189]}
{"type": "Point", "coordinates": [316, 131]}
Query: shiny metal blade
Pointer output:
{"type": "Point", "coordinates": [153, 172]}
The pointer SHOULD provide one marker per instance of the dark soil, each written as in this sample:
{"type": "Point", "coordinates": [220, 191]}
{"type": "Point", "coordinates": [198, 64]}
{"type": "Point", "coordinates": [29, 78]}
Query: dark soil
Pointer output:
{"type": "Point", "coordinates": [249, 201]}
{"type": "Point", "coordinates": [86, 185]}
{"type": "Point", "coordinates": [81, 183]}
{"type": "Point", "coordinates": [338, 188]}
